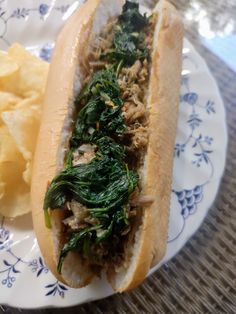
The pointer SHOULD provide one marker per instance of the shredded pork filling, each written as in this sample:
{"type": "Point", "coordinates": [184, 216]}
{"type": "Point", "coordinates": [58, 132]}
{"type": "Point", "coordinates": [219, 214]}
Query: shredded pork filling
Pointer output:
{"type": "Point", "coordinates": [133, 83]}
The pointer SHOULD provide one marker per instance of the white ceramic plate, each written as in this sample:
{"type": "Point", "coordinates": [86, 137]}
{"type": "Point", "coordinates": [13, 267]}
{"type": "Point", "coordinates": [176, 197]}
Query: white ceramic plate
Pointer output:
{"type": "Point", "coordinates": [200, 153]}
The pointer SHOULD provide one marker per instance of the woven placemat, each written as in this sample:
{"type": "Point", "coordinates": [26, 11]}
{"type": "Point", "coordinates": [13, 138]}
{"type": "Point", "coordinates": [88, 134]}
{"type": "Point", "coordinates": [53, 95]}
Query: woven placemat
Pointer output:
{"type": "Point", "coordinates": [202, 277]}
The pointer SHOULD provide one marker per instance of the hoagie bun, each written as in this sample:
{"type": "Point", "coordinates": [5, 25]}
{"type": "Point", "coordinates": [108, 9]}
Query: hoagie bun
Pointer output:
{"type": "Point", "coordinates": [104, 185]}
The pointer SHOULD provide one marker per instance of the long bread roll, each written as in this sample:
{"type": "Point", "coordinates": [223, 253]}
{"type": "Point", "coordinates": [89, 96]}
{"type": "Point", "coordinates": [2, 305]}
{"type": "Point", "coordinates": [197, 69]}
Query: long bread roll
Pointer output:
{"type": "Point", "coordinates": [128, 235]}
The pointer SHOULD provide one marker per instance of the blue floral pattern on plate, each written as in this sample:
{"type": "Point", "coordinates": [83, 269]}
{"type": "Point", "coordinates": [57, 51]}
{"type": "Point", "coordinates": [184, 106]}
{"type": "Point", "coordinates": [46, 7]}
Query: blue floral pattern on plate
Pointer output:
{"type": "Point", "coordinates": [56, 288]}
{"type": "Point", "coordinates": [11, 266]}
{"type": "Point", "coordinates": [199, 157]}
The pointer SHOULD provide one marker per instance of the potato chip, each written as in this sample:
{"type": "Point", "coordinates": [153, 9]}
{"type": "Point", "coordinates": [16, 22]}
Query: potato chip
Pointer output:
{"type": "Point", "coordinates": [15, 204]}
{"type": "Point", "coordinates": [33, 71]}
{"type": "Point", "coordinates": [23, 125]}
{"type": "Point", "coordinates": [7, 65]}
{"type": "Point", "coordinates": [32, 77]}
{"type": "Point", "coordinates": [14, 193]}
{"type": "Point", "coordinates": [10, 83]}
{"type": "Point", "coordinates": [8, 148]}
{"type": "Point", "coordinates": [11, 171]}
{"type": "Point", "coordinates": [19, 54]}
{"type": "Point", "coordinates": [22, 82]}
{"type": "Point", "coordinates": [33, 98]}
{"type": "Point", "coordinates": [16, 200]}
{"type": "Point", "coordinates": [8, 100]}
{"type": "Point", "coordinates": [27, 173]}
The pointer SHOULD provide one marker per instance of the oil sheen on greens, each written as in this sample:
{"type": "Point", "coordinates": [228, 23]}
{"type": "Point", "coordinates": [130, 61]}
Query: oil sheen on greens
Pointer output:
{"type": "Point", "coordinates": [105, 183]}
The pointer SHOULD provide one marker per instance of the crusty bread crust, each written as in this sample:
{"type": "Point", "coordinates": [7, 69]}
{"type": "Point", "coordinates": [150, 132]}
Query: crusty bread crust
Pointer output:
{"type": "Point", "coordinates": [163, 98]}
{"type": "Point", "coordinates": [58, 101]}
{"type": "Point", "coordinates": [163, 103]}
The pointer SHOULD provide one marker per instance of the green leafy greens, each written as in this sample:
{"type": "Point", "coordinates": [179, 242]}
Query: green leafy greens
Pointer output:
{"type": "Point", "coordinates": [105, 183]}
{"type": "Point", "coordinates": [101, 114]}
{"type": "Point", "coordinates": [131, 19]}
{"type": "Point", "coordinates": [128, 38]}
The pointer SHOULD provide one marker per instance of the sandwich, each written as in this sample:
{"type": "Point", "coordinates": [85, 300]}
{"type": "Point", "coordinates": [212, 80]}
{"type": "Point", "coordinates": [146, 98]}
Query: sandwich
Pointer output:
{"type": "Point", "coordinates": [102, 171]}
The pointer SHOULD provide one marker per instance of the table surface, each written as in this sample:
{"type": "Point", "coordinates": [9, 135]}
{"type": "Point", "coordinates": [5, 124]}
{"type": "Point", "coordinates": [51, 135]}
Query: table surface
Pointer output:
{"type": "Point", "coordinates": [202, 277]}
